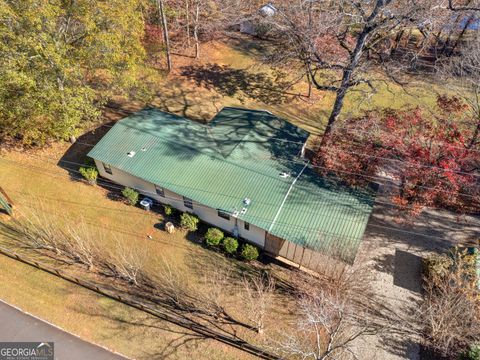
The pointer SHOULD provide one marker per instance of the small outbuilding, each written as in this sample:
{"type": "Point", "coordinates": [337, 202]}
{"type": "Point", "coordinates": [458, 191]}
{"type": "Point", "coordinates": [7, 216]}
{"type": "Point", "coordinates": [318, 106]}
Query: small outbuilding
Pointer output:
{"type": "Point", "coordinates": [258, 24]}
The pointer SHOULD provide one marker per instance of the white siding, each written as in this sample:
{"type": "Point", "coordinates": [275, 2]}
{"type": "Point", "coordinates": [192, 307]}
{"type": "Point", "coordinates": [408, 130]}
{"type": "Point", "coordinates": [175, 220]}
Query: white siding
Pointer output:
{"type": "Point", "coordinates": [255, 234]}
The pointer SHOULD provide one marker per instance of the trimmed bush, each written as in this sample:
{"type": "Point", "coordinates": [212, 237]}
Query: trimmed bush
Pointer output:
{"type": "Point", "coordinates": [230, 245]}
{"type": "Point", "coordinates": [213, 237]}
{"type": "Point", "coordinates": [131, 196]}
{"type": "Point", "coordinates": [249, 252]}
{"type": "Point", "coordinates": [168, 210]}
{"type": "Point", "coordinates": [89, 173]}
{"type": "Point", "coordinates": [189, 222]}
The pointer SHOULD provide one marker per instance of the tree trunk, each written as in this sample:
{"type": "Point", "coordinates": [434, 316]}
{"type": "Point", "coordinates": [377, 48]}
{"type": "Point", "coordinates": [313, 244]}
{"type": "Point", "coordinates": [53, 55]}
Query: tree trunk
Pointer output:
{"type": "Point", "coordinates": [355, 56]}
{"type": "Point", "coordinates": [346, 81]}
{"type": "Point", "coordinates": [462, 33]}
{"type": "Point", "coordinates": [450, 33]}
{"type": "Point", "coordinates": [309, 80]}
{"type": "Point", "coordinates": [166, 39]}
{"type": "Point", "coordinates": [187, 19]}
{"type": "Point", "coordinates": [475, 135]}
{"type": "Point", "coordinates": [195, 30]}
{"type": "Point", "coordinates": [397, 41]}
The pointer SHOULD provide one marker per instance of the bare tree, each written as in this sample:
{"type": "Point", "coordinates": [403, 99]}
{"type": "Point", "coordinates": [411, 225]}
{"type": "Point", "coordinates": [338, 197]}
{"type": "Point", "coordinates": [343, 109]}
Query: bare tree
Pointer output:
{"type": "Point", "coordinates": [80, 243]}
{"type": "Point", "coordinates": [43, 231]}
{"type": "Point", "coordinates": [205, 299]}
{"type": "Point", "coordinates": [259, 292]}
{"type": "Point", "coordinates": [451, 308]}
{"type": "Point", "coordinates": [195, 29]}
{"type": "Point", "coordinates": [127, 262]}
{"type": "Point", "coordinates": [187, 20]}
{"type": "Point", "coordinates": [327, 327]}
{"type": "Point", "coordinates": [463, 5]}
{"type": "Point", "coordinates": [163, 19]}
{"type": "Point", "coordinates": [339, 42]}
{"type": "Point", "coordinates": [463, 73]}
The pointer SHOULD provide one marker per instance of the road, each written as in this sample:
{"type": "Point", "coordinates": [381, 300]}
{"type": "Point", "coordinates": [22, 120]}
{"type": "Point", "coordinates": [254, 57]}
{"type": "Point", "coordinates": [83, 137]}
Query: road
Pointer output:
{"type": "Point", "coordinates": [18, 326]}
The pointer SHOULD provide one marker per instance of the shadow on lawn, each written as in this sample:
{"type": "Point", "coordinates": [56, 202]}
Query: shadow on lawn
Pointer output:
{"type": "Point", "coordinates": [206, 261]}
{"type": "Point", "coordinates": [239, 83]}
{"type": "Point", "coordinates": [183, 337]}
{"type": "Point", "coordinates": [76, 155]}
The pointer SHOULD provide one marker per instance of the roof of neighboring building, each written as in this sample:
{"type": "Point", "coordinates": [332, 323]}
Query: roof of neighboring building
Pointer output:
{"type": "Point", "coordinates": [242, 154]}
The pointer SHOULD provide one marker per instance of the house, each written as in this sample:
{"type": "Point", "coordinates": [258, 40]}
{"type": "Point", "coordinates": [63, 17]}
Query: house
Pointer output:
{"type": "Point", "coordinates": [242, 172]}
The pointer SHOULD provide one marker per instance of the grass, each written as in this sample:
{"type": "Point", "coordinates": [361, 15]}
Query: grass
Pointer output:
{"type": "Point", "coordinates": [99, 319]}
{"type": "Point", "coordinates": [230, 73]}
{"type": "Point", "coordinates": [34, 178]}
{"type": "Point", "coordinates": [93, 317]}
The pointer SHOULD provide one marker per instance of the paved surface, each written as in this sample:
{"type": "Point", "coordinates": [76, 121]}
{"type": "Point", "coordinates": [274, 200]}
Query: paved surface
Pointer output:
{"type": "Point", "coordinates": [18, 326]}
{"type": "Point", "coordinates": [393, 255]}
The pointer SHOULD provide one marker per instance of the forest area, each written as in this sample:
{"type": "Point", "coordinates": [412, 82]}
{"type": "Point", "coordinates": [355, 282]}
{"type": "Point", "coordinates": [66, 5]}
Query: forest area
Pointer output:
{"type": "Point", "coordinates": [389, 89]}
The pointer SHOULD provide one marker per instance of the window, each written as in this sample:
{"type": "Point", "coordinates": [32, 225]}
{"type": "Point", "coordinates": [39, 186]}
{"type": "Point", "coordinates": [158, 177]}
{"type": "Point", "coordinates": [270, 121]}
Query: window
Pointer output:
{"type": "Point", "coordinates": [107, 168]}
{"type": "Point", "coordinates": [223, 214]}
{"type": "Point", "coordinates": [246, 225]}
{"type": "Point", "coordinates": [187, 202]}
{"type": "Point", "coordinates": [159, 191]}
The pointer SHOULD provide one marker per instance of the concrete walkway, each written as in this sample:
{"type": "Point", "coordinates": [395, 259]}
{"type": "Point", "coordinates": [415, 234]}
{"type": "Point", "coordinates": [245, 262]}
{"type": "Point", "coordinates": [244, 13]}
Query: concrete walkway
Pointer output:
{"type": "Point", "coordinates": [18, 326]}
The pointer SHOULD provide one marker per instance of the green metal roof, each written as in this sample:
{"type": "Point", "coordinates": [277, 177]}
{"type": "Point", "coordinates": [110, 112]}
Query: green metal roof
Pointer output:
{"type": "Point", "coordinates": [241, 153]}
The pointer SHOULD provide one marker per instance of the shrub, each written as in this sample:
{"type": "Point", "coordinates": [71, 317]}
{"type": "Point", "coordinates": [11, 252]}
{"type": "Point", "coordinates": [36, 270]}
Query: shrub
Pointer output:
{"type": "Point", "coordinates": [168, 210]}
{"type": "Point", "coordinates": [214, 236]}
{"type": "Point", "coordinates": [249, 252]}
{"type": "Point", "coordinates": [471, 354]}
{"type": "Point", "coordinates": [189, 222]}
{"type": "Point", "coordinates": [89, 162]}
{"type": "Point", "coordinates": [131, 195]}
{"type": "Point", "coordinates": [230, 245]}
{"type": "Point", "coordinates": [436, 266]}
{"type": "Point", "coordinates": [89, 173]}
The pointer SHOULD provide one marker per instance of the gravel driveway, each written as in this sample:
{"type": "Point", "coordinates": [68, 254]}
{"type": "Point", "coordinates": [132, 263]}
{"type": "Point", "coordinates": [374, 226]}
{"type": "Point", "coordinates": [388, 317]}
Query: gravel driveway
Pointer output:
{"type": "Point", "coordinates": [392, 250]}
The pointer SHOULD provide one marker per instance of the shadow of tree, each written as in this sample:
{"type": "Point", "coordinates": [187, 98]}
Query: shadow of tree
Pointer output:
{"type": "Point", "coordinates": [181, 337]}
{"type": "Point", "coordinates": [240, 83]}
{"type": "Point", "coordinates": [205, 261]}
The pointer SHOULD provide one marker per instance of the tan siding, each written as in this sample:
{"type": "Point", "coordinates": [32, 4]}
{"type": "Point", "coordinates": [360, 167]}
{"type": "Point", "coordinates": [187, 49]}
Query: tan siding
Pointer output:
{"type": "Point", "coordinates": [255, 235]}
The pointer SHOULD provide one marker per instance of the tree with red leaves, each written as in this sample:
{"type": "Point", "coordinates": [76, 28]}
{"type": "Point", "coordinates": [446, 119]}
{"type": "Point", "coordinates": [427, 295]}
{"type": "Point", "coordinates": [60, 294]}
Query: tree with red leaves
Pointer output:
{"type": "Point", "coordinates": [429, 160]}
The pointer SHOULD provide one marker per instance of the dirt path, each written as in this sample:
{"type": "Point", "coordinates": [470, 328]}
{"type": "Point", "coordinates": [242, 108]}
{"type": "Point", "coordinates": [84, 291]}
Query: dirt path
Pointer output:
{"type": "Point", "coordinates": [392, 252]}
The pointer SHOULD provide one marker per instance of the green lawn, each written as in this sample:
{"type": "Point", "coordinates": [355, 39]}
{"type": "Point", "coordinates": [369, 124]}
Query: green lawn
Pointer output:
{"type": "Point", "coordinates": [34, 180]}
{"type": "Point", "coordinates": [231, 73]}
{"type": "Point", "coordinates": [78, 310]}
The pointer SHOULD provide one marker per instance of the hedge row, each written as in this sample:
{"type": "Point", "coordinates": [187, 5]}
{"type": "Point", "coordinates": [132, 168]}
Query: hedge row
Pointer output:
{"type": "Point", "coordinates": [215, 237]}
